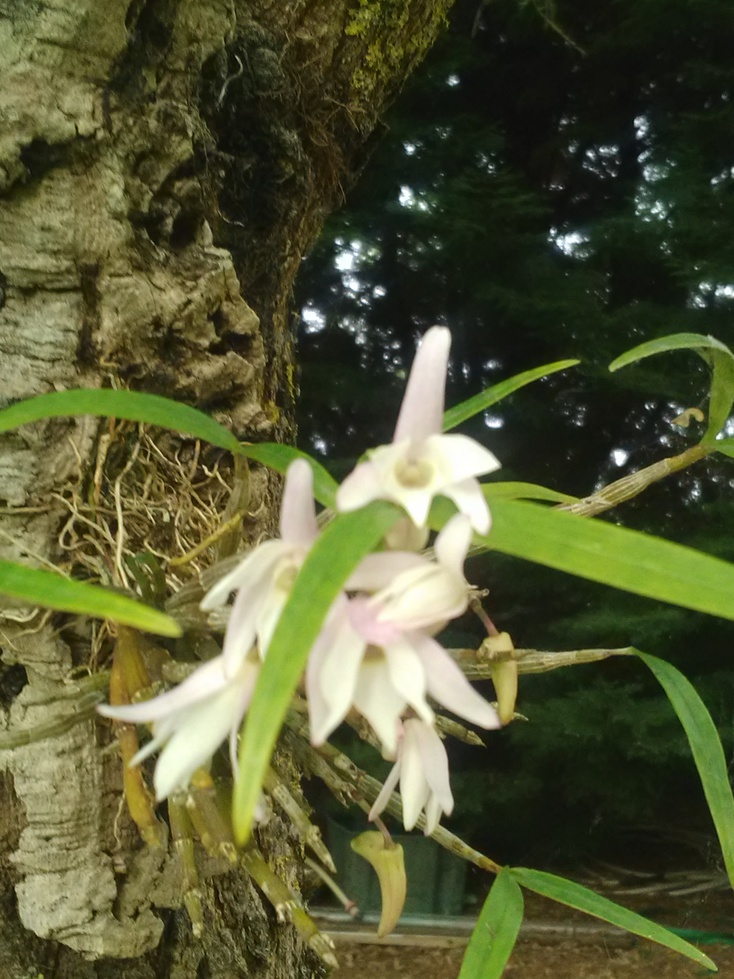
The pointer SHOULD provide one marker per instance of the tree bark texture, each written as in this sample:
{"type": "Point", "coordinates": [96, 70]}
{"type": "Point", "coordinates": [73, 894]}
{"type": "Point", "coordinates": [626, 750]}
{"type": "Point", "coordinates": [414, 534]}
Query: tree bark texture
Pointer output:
{"type": "Point", "coordinates": [164, 165]}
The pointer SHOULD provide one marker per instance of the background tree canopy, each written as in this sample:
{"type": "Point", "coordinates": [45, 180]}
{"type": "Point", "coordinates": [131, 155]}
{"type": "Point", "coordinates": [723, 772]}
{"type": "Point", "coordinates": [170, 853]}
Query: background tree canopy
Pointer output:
{"type": "Point", "coordinates": [557, 181]}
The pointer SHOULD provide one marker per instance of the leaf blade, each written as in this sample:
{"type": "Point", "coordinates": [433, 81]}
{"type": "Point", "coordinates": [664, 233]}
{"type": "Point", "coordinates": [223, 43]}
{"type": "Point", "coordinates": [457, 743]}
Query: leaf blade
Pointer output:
{"type": "Point", "coordinates": [496, 931]}
{"type": "Point", "coordinates": [576, 896]}
{"type": "Point", "coordinates": [485, 399]}
{"type": "Point", "coordinates": [50, 590]}
{"type": "Point", "coordinates": [706, 748]}
{"type": "Point", "coordinates": [512, 490]}
{"type": "Point", "coordinates": [612, 555]}
{"type": "Point", "coordinates": [333, 557]}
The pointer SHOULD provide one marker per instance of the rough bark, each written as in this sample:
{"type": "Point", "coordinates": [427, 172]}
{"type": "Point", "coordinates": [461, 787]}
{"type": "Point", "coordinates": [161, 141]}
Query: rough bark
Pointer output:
{"type": "Point", "coordinates": [164, 164]}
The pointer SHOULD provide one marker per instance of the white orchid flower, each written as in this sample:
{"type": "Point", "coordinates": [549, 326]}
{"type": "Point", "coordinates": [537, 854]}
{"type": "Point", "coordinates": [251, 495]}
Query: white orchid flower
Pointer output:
{"type": "Point", "coordinates": [263, 580]}
{"type": "Point", "coordinates": [373, 653]}
{"type": "Point", "coordinates": [192, 720]}
{"type": "Point", "coordinates": [422, 768]}
{"type": "Point", "coordinates": [421, 463]}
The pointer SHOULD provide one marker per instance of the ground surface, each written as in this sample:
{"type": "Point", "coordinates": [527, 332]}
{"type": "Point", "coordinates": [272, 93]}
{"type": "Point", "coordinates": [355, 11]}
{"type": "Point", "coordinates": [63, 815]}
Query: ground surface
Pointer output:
{"type": "Point", "coordinates": [556, 955]}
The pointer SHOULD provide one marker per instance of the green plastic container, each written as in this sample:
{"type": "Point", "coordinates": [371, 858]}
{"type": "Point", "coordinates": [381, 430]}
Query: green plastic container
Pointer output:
{"type": "Point", "coordinates": [436, 878]}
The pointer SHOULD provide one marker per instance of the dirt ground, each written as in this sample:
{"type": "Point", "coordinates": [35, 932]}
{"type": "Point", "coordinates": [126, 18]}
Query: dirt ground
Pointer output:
{"type": "Point", "coordinates": [532, 960]}
{"type": "Point", "coordinates": [559, 957]}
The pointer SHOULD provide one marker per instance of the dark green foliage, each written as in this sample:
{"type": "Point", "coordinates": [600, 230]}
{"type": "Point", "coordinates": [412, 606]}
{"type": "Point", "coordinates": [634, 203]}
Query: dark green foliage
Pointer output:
{"type": "Point", "coordinates": [548, 199]}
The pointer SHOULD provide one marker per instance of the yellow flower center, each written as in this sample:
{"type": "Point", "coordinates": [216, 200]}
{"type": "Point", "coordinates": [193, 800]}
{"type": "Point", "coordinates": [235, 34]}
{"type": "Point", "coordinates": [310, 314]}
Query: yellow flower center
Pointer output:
{"type": "Point", "coordinates": [414, 473]}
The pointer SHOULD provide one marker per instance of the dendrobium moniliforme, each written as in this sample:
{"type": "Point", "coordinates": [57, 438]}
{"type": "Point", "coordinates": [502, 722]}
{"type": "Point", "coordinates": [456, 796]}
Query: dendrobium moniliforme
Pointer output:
{"type": "Point", "coordinates": [422, 767]}
{"type": "Point", "coordinates": [376, 653]}
{"type": "Point", "coordinates": [191, 721]}
{"type": "Point", "coordinates": [264, 579]}
{"type": "Point", "coordinates": [421, 463]}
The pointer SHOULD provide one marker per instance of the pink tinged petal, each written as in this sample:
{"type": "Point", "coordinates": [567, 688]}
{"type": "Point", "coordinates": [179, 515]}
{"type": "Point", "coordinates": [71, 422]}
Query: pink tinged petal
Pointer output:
{"type": "Point", "coordinates": [297, 514]}
{"type": "Point", "coordinates": [376, 571]}
{"type": "Point", "coordinates": [386, 791]}
{"type": "Point", "coordinates": [378, 702]}
{"type": "Point", "coordinates": [361, 486]}
{"type": "Point", "coordinates": [453, 542]}
{"type": "Point", "coordinates": [469, 499]}
{"type": "Point", "coordinates": [364, 616]}
{"type": "Point", "coordinates": [421, 412]}
{"type": "Point", "coordinates": [204, 682]}
{"type": "Point", "coordinates": [435, 763]}
{"type": "Point", "coordinates": [447, 684]}
{"type": "Point", "coordinates": [460, 456]}
{"type": "Point", "coordinates": [254, 568]}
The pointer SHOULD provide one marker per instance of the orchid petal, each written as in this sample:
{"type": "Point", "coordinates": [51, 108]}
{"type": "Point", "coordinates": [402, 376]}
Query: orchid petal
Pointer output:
{"type": "Point", "coordinates": [422, 598]}
{"type": "Point", "coordinates": [241, 632]}
{"type": "Point", "coordinates": [332, 675]}
{"type": "Point", "coordinates": [253, 569]}
{"type": "Point", "coordinates": [298, 525]}
{"type": "Point", "coordinates": [435, 763]}
{"type": "Point", "coordinates": [193, 743]}
{"type": "Point", "coordinates": [469, 499]}
{"type": "Point", "coordinates": [206, 681]}
{"type": "Point", "coordinates": [447, 684]}
{"type": "Point", "coordinates": [360, 487]}
{"type": "Point", "coordinates": [378, 570]}
{"type": "Point", "coordinates": [421, 412]}
{"type": "Point", "coordinates": [378, 702]}
{"type": "Point", "coordinates": [407, 677]}
{"type": "Point", "coordinates": [460, 456]}
{"type": "Point", "coordinates": [453, 542]}
{"type": "Point", "coordinates": [385, 792]}
{"type": "Point", "coordinates": [414, 788]}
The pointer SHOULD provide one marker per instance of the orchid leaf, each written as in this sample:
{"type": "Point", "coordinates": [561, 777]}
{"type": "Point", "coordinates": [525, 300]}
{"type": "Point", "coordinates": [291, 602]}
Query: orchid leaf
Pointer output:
{"type": "Point", "coordinates": [496, 931]}
{"type": "Point", "coordinates": [485, 399]}
{"type": "Point", "coordinates": [507, 490]}
{"type": "Point", "coordinates": [576, 896]}
{"type": "Point", "coordinates": [152, 409]}
{"type": "Point", "coordinates": [340, 547]}
{"type": "Point", "coordinates": [612, 555]}
{"type": "Point", "coordinates": [718, 357]}
{"type": "Point", "coordinates": [706, 749]}
{"type": "Point", "coordinates": [50, 590]}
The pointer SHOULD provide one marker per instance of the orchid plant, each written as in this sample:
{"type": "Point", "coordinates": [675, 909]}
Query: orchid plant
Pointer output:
{"type": "Point", "coordinates": [339, 619]}
{"type": "Point", "coordinates": [376, 653]}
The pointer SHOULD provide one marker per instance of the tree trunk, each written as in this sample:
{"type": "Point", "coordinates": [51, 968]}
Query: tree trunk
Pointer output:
{"type": "Point", "coordinates": [164, 164]}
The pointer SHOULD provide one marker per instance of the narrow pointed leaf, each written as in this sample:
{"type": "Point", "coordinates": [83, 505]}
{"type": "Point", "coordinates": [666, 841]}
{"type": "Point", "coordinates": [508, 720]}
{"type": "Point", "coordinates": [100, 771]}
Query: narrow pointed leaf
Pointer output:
{"type": "Point", "coordinates": [479, 402]}
{"type": "Point", "coordinates": [507, 490]}
{"type": "Point", "coordinates": [706, 749]}
{"type": "Point", "coordinates": [725, 446]}
{"type": "Point", "coordinates": [336, 553]}
{"type": "Point", "coordinates": [612, 555]}
{"type": "Point", "coordinates": [152, 409]}
{"type": "Point", "coordinates": [575, 896]}
{"type": "Point", "coordinates": [496, 931]}
{"type": "Point", "coordinates": [716, 354]}
{"type": "Point", "coordinates": [50, 590]}
{"type": "Point", "coordinates": [135, 406]}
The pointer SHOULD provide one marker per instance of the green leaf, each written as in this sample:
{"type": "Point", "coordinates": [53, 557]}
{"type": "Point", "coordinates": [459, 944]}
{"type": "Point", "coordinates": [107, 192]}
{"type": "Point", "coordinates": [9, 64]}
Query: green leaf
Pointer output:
{"type": "Point", "coordinates": [131, 405]}
{"type": "Point", "coordinates": [331, 560]}
{"type": "Point", "coordinates": [507, 490]}
{"type": "Point", "coordinates": [725, 446]}
{"type": "Point", "coordinates": [496, 931]}
{"type": "Point", "coordinates": [575, 896]}
{"type": "Point", "coordinates": [50, 590]}
{"type": "Point", "coordinates": [625, 559]}
{"type": "Point", "coordinates": [706, 749]}
{"type": "Point", "coordinates": [716, 354]}
{"type": "Point", "coordinates": [151, 409]}
{"type": "Point", "coordinates": [479, 402]}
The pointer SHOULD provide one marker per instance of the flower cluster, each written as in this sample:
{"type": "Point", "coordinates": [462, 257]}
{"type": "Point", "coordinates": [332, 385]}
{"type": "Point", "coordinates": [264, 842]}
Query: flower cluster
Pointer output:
{"type": "Point", "coordinates": [376, 653]}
